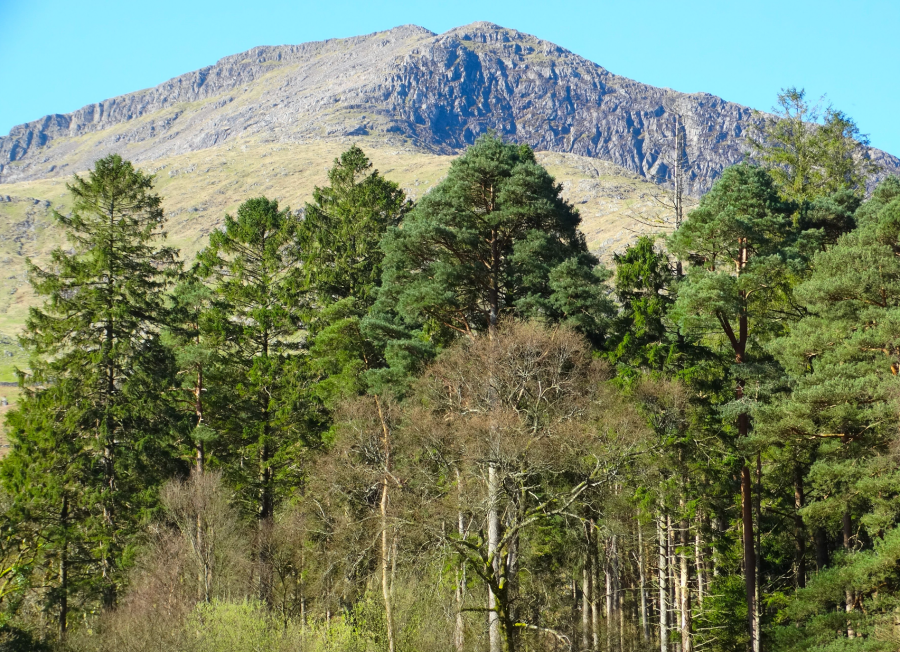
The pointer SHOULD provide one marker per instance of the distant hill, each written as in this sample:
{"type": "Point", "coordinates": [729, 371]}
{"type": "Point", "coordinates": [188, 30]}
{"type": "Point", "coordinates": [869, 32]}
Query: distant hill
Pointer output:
{"type": "Point", "coordinates": [438, 91]}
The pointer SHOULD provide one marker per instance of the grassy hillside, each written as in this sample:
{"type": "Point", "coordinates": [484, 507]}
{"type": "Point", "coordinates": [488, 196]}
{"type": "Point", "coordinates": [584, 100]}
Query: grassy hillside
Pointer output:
{"type": "Point", "coordinates": [199, 188]}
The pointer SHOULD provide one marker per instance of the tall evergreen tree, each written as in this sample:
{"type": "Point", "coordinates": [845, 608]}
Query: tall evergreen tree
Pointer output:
{"type": "Point", "coordinates": [342, 229]}
{"type": "Point", "coordinates": [809, 154]}
{"type": "Point", "coordinates": [840, 420]}
{"type": "Point", "coordinates": [740, 241]}
{"type": "Point", "coordinates": [99, 374]}
{"type": "Point", "coordinates": [342, 261]}
{"type": "Point", "coordinates": [495, 237]}
{"type": "Point", "coordinates": [253, 266]}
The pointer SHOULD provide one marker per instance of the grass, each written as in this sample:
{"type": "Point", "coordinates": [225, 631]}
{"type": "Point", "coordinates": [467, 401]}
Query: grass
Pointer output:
{"type": "Point", "coordinates": [200, 187]}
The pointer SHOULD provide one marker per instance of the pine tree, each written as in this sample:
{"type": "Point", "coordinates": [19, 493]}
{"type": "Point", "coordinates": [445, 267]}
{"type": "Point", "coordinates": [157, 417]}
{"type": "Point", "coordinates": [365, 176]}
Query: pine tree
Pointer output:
{"type": "Point", "coordinates": [811, 155]}
{"type": "Point", "coordinates": [494, 238]}
{"type": "Point", "coordinates": [839, 422]}
{"type": "Point", "coordinates": [99, 374]}
{"type": "Point", "coordinates": [741, 243]}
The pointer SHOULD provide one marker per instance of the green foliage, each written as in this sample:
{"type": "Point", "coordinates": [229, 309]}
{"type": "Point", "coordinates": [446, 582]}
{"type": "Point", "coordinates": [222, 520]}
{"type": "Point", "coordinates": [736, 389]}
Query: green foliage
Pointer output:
{"type": "Point", "coordinates": [493, 238]}
{"type": "Point", "coordinates": [343, 227]}
{"type": "Point", "coordinates": [342, 259]}
{"type": "Point", "coordinates": [811, 155]}
{"type": "Point", "coordinates": [94, 439]}
{"type": "Point", "coordinates": [304, 366]}
{"type": "Point", "coordinates": [252, 264]}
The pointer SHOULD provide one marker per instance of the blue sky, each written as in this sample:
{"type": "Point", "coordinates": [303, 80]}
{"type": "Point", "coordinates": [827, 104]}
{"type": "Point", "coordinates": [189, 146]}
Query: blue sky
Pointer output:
{"type": "Point", "coordinates": [57, 56]}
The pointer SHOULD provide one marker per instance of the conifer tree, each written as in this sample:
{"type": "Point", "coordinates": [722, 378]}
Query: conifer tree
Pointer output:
{"type": "Point", "coordinates": [342, 229]}
{"type": "Point", "coordinates": [494, 238]}
{"type": "Point", "coordinates": [840, 421]}
{"type": "Point", "coordinates": [741, 243]}
{"type": "Point", "coordinates": [342, 262]}
{"type": "Point", "coordinates": [197, 336]}
{"type": "Point", "coordinates": [99, 374]}
{"type": "Point", "coordinates": [252, 264]}
{"type": "Point", "coordinates": [811, 155]}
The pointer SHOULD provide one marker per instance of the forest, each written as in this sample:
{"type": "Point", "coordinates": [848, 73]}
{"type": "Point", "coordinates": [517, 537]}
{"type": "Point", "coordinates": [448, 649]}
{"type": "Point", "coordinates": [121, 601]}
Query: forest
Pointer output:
{"type": "Point", "coordinates": [379, 425]}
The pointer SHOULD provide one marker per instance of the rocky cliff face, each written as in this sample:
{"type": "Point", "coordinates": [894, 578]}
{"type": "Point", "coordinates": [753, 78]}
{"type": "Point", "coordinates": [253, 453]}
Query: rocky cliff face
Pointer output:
{"type": "Point", "coordinates": [438, 91]}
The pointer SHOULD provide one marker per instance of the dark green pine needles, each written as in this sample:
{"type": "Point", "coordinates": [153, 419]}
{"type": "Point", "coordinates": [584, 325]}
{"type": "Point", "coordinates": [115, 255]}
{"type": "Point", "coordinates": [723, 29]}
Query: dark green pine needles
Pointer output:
{"type": "Point", "coordinates": [494, 238]}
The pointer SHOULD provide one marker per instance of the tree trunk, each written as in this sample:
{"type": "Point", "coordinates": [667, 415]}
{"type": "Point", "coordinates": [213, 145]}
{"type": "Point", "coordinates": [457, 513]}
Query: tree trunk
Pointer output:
{"type": "Point", "coordinates": [264, 529]}
{"type": "Point", "coordinates": [686, 640]}
{"type": "Point", "coordinates": [595, 586]}
{"type": "Point", "coordinates": [645, 622]}
{"type": "Point", "coordinates": [610, 610]}
{"type": "Point", "coordinates": [200, 462]}
{"type": "Point", "coordinates": [749, 553]}
{"type": "Point", "coordinates": [493, 554]}
{"type": "Point", "coordinates": [64, 570]}
{"type": "Point", "coordinates": [700, 562]}
{"type": "Point", "coordinates": [663, 587]}
{"type": "Point", "coordinates": [674, 583]}
{"type": "Point", "coordinates": [385, 554]}
{"type": "Point", "coordinates": [849, 597]}
{"type": "Point", "coordinates": [459, 635]}
{"type": "Point", "coordinates": [759, 559]}
{"type": "Point", "coordinates": [587, 576]}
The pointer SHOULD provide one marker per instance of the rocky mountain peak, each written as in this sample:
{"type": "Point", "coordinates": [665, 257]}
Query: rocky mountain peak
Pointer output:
{"type": "Point", "coordinates": [436, 91]}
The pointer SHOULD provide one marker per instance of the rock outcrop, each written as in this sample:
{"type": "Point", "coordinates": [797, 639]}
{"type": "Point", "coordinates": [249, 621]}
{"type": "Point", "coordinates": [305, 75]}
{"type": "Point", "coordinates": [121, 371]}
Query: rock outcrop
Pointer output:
{"type": "Point", "coordinates": [438, 91]}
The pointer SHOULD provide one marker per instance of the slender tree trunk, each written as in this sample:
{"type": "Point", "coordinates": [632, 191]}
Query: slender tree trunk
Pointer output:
{"type": "Point", "coordinates": [749, 553]}
{"type": "Point", "coordinates": [700, 562]}
{"type": "Point", "coordinates": [264, 528]}
{"type": "Point", "coordinates": [686, 640]}
{"type": "Point", "coordinates": [663, 584]}
{"type": "Point", "coordinates": [759, 558]}
{"type": "Point", "coordinates": [459, 635]}
{"type": "Point", "coordinates": [493, 555]}
{"type": "Point", "coordinates": [615, 593]}
{"type": "Point", "coordinates": [674, 583]}
{"type": "Point", "coordinates": [610, 609]}
{"type": "Point", "coordinates": [386, 575]}
{"type": "Point", "coordinates": [587, 576]}
{"type": "Point", "coordinates": [595, 586]}
{"type": "Point", "coordinates": [200, 453]}
{"type": "Point", "coordinates": [645, 622]}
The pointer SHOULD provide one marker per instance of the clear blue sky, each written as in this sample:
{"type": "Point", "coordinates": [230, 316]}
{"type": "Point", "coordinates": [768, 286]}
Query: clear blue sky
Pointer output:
{"type": "Point", "coordinates": [56, 56]}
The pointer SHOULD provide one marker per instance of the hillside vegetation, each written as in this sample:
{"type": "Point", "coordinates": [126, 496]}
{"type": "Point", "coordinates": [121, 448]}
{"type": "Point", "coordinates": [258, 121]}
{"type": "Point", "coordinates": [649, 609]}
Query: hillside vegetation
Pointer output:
{"type": "Point", "coordinates": [198, 189]}
{"type": "Point", "coordinates": [318, 397]}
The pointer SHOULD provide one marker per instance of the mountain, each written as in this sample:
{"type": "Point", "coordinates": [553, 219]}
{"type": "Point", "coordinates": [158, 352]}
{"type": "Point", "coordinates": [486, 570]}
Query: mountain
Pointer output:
{"type": "Point", "coordinates": [271, 121]}
{"type": "Point", "coordinates": [436, 91]}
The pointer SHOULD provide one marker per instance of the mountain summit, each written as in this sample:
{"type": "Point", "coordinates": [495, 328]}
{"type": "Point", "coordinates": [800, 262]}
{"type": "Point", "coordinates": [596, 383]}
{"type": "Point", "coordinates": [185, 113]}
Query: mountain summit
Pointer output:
{"type": "Point", "coordinates": [436, 91]}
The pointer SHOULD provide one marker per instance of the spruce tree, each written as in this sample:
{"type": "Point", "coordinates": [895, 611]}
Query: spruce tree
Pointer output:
{"type": "Point", "coordinates": [342, 229]}
{"type": "Point", "coordinates": [97, 405]}
{"type": "Point", "coordinates": [252, 264]}
{"type": "Point", "coordinates": [342, 262]}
